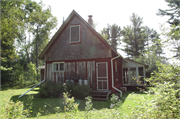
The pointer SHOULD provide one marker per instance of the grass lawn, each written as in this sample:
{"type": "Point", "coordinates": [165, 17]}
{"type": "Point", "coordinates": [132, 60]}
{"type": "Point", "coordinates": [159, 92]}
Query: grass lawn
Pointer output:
{"type": "Point", "coordinates": [48, 105]}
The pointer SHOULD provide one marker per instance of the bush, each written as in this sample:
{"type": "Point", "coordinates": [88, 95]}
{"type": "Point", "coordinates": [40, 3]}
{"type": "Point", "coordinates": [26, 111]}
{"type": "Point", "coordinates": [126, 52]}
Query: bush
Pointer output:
{"type": "Point", "coordinates": [15, 110]}
{"type": "Point", "coordinates": [165, 90]}
{"type": "Point", "coordinates": [78, 91]}
{"type": "Point", "coordinates": [70, 107]}
{"type": "Point", "coordinates": [164, 105]}
{"type": "Point", "coordinates": [51, 89]}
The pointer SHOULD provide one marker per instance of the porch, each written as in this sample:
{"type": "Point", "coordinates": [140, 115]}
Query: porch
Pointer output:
{"type": "Point", "coordinates": [134, 73]}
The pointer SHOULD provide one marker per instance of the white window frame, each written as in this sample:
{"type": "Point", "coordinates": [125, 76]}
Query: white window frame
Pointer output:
{"type": "Point", "coordinates": [79, 33]}
{"type": "Point", "coordinates": [58, 66]}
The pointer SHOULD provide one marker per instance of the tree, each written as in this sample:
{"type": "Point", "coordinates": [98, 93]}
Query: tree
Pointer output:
{"type": "Point", "coordinates": [175, 40]}
{"type": "Point", "coordinates": [112, 34]}
{"type": "Point", "coordinates": [173, 12]}
{"type": "Point", "coordinates": [134, 37]}
{"type": "Point", "coordinates": [11, 28]}
{"type": "Point", "coordinates": [20, 19]}
{"type": "Point", "coordinates": [39, 22]}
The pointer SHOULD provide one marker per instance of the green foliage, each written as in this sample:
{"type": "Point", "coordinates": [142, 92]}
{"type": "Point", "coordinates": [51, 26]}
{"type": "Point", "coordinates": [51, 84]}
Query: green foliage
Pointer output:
{"type": "Point", "coordinates": [31, 72]}
{"type": "Point", "coordinates": [89, 103]}
{"type": "Point", "coordinates": [11, 23]}
{"type": "Point", "coordinates": [5, 69]}
{"type": "Point", "coordinates": [25, 30]}
{"type": "Point", "coordinates": [24, 78]}
{"type": "Point", "coordinates": [150, 59]}
{"type": "Point", "coordinates": [40, 22]}
{"type": "Point", "coordinates": [15, 110]}
{"type": "Point", "coordinates": [70, 107]}
{"type": "Point", "coordinates": [164, 105]}
{"type": "Point", "coordinates": [134, 37]}
{"type": "Point", "coordinates": [112, 34]}
{"type": "Point", "coordinates": [166, 73]}
{"type": "Point", "coordinates": [173, 12]}
{"type": "Point", "coordinates": [175, 40]}
{"type": "Point", "coordinates": [88, 107]}
{"type": "Point", "coordinates": [80, 92]}
{"type": "Point", "coordinates": [51, 89]}
{"type": "Point", "coordinates": [115, 101]}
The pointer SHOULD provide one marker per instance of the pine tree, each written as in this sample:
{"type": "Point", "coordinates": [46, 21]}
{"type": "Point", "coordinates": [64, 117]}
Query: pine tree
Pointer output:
{"type": "Point", "coordinates": [173, 12]}
{"type": "Point", "coordinates": [134, 37]}
{"type": "Point", "coordinates": [112, 34]}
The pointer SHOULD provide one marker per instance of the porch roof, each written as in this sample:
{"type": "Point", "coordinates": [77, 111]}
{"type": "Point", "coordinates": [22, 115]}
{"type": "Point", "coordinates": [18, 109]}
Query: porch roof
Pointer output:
{"type": "Point", "coordinates": [146, 66]}
{"type": "Point", "coordinates": [41, 67]}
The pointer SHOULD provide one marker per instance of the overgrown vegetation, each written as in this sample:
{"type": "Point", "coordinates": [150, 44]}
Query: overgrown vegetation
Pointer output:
{"type": "Point", "coordinates": [15, 110]}
{"type": "Point", "coordinates": [51, 89]}
{"type": "Point", "coordinates": [25, 31]}
{"type": "Point", "coordinates": [165, 90]}
{"type": "Point", "coordinates": [70, 106]}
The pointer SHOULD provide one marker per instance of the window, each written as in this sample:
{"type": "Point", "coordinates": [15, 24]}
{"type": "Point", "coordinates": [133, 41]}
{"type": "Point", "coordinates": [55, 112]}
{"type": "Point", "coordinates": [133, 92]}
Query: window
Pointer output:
{"type": "Point", "coordinates": [58, 66]}
{"type": "Point", "coordinates": [140, 71]}
{"type": "Point", "coordinates": [132, 72]}
{"type": "Point", "coordinates": [133, 75]}
{"type": "Point", "coordinates": [75, 34]}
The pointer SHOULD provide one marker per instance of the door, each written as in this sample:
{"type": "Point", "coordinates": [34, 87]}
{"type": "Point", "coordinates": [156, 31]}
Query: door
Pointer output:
{"type": "Point", "coordinates": [102, 76]}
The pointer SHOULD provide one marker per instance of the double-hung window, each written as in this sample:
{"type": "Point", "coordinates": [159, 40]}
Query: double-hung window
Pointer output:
{"type": "Point", "coordinates": [75, 34]}
{"type": "Point", "coordinates": [58, 66]}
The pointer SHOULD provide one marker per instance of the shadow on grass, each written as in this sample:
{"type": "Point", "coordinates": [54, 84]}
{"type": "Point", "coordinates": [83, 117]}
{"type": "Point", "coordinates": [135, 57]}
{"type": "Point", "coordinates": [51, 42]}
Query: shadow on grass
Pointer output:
{"type": "Point", "coordinates": [46, 106]}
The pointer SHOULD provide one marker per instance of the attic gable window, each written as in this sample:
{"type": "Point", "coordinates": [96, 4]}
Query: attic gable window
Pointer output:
{"type": "Point", "coordinates": [75, 34]}
{"type": "Point", "coordinates": [58, 66]}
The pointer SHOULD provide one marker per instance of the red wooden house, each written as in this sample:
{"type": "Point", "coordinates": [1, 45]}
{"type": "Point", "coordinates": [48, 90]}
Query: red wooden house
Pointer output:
{"type": "Point", "coordinates": [77, 50]}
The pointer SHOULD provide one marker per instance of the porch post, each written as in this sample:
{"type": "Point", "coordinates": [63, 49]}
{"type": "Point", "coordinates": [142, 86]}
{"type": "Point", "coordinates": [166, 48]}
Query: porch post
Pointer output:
{"type": "Point", "coordinates": [137, 74]}
{"type": "Point", "coordinates": [144, 74]}
{"type": "Point", "coordinates": [129, 75]}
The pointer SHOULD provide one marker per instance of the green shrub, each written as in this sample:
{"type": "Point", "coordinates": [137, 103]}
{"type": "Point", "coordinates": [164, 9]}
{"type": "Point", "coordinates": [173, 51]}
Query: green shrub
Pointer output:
{"type": "Point", "coordinates": [165, 90]}
{"type": "Point", "coordinates": [80, 92]}
{"type": "Point", "coordinates": [70, 107]}
{"type": "Point", "coordinates": [115, 101]}
{"type": "Point", "coordinates": [164, 105]}
{"type": "Point", "coordinates": [15, 110]}
{"type": "Point", "coordinates": [88, 107]}
{"type": "Point", "coordinates": [51, 89]}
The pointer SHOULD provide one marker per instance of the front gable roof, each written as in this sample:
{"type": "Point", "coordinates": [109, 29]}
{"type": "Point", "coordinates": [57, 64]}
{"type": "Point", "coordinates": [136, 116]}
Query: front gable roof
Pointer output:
{"type": "Point", "coordinates": [41, 56]}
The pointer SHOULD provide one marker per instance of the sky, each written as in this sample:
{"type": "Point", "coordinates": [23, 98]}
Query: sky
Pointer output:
{"type": "Point", "coordinates": [109, 12]}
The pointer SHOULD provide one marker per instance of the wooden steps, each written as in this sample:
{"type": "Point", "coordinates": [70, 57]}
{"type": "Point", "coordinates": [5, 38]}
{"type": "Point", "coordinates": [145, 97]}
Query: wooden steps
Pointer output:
{"type": "Point", "coordinates": [100, 95]}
